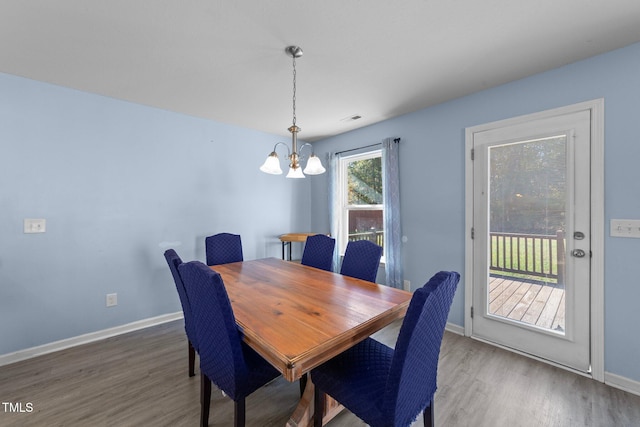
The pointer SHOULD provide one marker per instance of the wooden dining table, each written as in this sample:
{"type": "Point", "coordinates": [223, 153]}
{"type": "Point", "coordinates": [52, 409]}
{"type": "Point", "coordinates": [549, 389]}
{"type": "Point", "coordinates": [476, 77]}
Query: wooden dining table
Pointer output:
{"type": "Point", "coordinates": [298, 317]}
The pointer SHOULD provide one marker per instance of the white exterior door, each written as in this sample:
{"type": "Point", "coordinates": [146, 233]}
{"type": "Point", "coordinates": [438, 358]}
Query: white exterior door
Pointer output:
{"type": "Point", "coordinates": [531, 242]}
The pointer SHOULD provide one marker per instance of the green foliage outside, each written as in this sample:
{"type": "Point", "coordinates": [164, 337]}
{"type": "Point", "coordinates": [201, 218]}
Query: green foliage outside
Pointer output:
{"type": "Point", "coordinates": [365, 182]}
{"type": "Point", "coordinates": [528, 186]}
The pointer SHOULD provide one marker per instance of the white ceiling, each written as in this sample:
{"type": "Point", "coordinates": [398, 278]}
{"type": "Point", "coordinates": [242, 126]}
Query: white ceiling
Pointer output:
{"type": "Point", "coordinates": [224, 60]}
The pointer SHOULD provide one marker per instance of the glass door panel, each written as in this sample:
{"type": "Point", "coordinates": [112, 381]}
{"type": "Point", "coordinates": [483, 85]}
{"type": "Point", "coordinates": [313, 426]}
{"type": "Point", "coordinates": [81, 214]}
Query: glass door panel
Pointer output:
{"type": "Point", "coordinates": [527, 211]}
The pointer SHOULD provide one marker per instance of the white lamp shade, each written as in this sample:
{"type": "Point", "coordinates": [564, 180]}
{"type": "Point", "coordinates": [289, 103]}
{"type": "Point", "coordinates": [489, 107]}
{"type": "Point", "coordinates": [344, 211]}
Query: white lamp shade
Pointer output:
{"type": "Point", "coordinates": [295, 173]}
{"type": "Point", "coordinates": [271, 165]}
{"type": "Point", "coordinates": [314, 166]}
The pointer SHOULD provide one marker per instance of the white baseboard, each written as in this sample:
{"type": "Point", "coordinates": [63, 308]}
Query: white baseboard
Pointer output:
{"type": "Point", "coordinates": [622, 383]}
{"type": "Point", "coordinates": [6, 359]}
{"type": "Point", "coordinates": [453, 328]}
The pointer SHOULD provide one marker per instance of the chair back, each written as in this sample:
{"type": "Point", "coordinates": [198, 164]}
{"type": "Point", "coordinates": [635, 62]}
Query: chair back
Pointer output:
{"type": "Point", "coordinates": [220, 350]}
{"type": "Point", "coordinates": [412, 378]}
{"type": "Point", "coordinates": [174, 262]}
{"type": "Point", "coordinates": [361, 260]}
{"type": "Point", "coordinates": [318, 252]}
{"type": "Point", "coordinates": [223, 248]}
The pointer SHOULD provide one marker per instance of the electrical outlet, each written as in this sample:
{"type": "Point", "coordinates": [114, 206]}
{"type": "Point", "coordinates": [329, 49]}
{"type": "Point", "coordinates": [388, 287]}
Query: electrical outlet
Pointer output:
{"type": "Point", "coordinates": [407, 285]}
{"type": "Point", "coordinates": [112, 300]}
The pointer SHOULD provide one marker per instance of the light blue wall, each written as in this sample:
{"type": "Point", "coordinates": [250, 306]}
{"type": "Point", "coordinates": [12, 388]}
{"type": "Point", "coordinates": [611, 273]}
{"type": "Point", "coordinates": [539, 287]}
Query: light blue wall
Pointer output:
{"type": "Point", "coordinates": [432, 176]}
{"type": "Point", "coordinates": [118, 183]}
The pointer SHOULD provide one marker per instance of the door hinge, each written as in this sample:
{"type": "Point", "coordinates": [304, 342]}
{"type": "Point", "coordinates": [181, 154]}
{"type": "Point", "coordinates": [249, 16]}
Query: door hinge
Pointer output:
{"type": "Point", "coordinates": [472, 312]}
{"type": "Point", "coordinates": [473, 233]}
{"type": "Point", "coordinates": [473, 154]}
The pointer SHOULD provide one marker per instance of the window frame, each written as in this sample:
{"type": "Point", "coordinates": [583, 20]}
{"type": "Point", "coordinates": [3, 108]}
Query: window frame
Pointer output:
{"type": "Point", "coordinates": [345, 207]}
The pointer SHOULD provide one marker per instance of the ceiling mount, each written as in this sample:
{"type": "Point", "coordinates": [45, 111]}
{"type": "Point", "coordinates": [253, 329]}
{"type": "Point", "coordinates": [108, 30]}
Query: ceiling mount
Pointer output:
{"type": "Point", "coordinates": [294, 51]}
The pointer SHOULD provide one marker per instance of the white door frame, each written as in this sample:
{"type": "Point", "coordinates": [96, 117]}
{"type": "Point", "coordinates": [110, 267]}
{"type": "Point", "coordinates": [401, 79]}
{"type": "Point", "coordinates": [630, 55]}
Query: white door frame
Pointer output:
{"type": "Point", "coordinates": [597, 222]}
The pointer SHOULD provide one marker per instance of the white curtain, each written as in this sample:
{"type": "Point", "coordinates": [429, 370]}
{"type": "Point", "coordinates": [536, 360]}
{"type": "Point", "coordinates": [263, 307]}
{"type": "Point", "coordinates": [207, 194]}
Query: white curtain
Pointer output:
{"type": "Point", "coordinates": [391, 196]}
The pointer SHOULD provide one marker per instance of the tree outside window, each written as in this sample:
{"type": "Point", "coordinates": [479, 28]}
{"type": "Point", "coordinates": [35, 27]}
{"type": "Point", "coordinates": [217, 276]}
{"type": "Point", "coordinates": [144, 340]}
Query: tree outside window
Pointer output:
{"type": "Point", "coordinates": [363, 210]}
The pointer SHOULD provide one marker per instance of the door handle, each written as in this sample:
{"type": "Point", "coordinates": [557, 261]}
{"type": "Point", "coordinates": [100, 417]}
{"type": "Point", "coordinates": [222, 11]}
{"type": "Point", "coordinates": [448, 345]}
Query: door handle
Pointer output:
{"type": "Point", "coordinates": [578, 253]}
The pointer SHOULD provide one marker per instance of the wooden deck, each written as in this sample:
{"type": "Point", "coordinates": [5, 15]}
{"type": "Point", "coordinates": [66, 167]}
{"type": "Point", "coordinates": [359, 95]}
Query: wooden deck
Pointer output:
{"type": "Point", "coordinates": [533, 303]}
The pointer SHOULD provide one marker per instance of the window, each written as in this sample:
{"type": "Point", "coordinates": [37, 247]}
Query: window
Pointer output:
{"type": "Point", "coordinates": [362, 207]}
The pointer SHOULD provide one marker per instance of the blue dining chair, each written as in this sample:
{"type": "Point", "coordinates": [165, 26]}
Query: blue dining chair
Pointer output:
{"type": "Point", "coordinates": [225, 359]}
{"type": "Point", "coordinates": [386, 387]}
{"type": "Point", "coordinates": [361, 260]}
{"type": "Point", "coordinates": [174, 262]}
{"type": "Point", "coordinates": [223, 248]}
{"type": "Point", "coordinates": [318, 252]}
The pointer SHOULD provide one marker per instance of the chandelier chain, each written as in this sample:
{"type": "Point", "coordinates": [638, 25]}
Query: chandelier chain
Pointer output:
{"type": "Point", "coordinates": [294, 90]}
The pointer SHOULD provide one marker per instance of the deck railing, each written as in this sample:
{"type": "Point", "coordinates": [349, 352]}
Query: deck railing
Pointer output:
{"type": "Point", "coordinates": [376, 237]}
{"type": "Point", "coordinates": [528, 254]}
{"type": "Point", "coordinates": [535, 255]}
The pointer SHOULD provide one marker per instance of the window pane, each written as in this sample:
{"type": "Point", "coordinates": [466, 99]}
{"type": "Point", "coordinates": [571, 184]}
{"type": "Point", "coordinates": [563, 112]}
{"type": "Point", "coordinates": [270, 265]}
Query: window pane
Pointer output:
{"type": "Point", "coordinates": [528, 186]}
{"type": "Point", "coordinates": [364, 181]}
{"type": "Point", "coordinates": [366, 225]}
{"type": "Point", "coordinates": [527, 202]}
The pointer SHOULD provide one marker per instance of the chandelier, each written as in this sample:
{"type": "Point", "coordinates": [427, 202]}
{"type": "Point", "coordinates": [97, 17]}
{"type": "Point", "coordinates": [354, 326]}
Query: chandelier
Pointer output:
{"type": "Point", "coordinates": [272, 164]}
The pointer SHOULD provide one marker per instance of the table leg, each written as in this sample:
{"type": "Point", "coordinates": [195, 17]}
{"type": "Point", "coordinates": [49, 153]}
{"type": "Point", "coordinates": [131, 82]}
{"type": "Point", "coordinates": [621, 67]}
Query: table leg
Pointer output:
{"type": "Point", "coordinates": [284, 245]}
{"type": "Point", "coordinates": [303, 414]}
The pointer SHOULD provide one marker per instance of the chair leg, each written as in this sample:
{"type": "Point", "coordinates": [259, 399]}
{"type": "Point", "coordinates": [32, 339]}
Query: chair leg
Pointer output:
{"type": "Point", "coordinates": [303, 383]}
{"type": "Point", "coordinates": [192, 359]}
{"type": "Point", "coordinates": [429, 419]}
{"type": "Point", "coordinates": [205, 399]}
{"type": "Point", "coordinates": [239, 415]}
{"type": "Point", "coordinates": [318, 407]}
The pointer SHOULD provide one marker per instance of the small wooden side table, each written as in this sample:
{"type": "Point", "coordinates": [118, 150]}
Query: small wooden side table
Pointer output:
{"type": "Point", "coordinates": [289, 238]}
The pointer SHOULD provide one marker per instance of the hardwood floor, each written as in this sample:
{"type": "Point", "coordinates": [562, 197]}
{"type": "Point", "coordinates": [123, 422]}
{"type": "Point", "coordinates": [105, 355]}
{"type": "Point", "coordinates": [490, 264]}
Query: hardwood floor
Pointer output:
{"type": "Point", "coordinates": [140, 379]}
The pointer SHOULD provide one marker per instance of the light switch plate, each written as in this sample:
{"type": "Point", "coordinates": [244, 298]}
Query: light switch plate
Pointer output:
{"type": "Point", "coordinates": [32, 225]}
{"type": "Point", "coordinates": [625, 228]}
